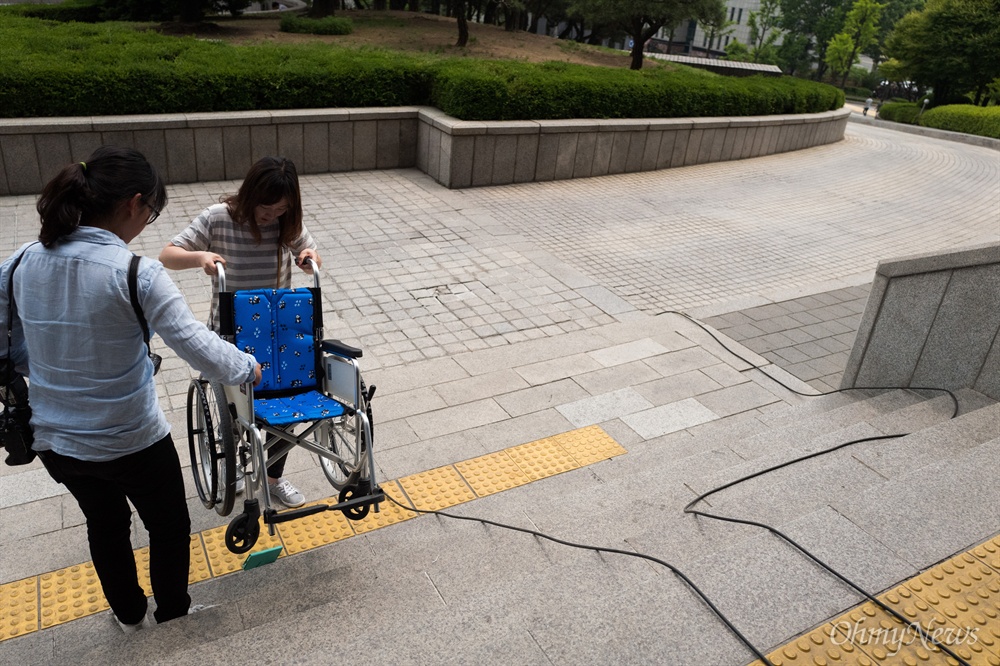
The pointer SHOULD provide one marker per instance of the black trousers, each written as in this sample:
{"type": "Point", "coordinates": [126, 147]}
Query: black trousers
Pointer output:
{"type": "Point", "coordinates": [152, 480]}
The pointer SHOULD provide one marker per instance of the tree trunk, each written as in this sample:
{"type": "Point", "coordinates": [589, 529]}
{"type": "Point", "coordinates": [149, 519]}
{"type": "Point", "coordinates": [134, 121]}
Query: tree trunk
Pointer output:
{"type": "Point", "coordinates": [847, 72]}
{"type": "Point", "coordinates": [322, 8]}
{"type": "Point", "coordinates": [463, 24]}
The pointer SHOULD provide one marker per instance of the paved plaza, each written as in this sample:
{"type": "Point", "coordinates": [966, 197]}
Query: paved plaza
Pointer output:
{"type": "Point", "coordinates": [494, 317]}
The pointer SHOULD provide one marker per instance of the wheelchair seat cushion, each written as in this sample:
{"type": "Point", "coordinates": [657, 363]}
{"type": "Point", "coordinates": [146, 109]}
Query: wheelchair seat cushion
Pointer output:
{"type": "Point", "coordinates": [276, 326]}
{"type": "Point", "coordinates": [308, 406]}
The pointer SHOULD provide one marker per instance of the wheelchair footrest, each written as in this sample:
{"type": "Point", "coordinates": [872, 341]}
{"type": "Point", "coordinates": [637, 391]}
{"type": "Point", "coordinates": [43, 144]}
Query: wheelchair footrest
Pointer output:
{"type": "Point", "coordinates": [273, 516]}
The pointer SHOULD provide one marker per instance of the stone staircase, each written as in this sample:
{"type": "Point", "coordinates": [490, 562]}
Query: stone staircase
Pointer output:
{"type": "Point", "coordinates": [433, 590]}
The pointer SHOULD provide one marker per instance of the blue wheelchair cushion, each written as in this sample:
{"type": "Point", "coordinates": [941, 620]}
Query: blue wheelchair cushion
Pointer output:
{"type": "Point", "coordinates": [309, 406]}
{"type": "Point", "coordinates": [276, 326]}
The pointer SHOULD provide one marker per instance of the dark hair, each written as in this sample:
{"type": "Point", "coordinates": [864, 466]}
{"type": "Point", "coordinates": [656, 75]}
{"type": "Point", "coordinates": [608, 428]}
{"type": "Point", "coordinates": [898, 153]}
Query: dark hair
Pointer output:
{"type": "Point", "coordinates": [268, 181]}
{"type": "Point", "coordinates": [87, 192]}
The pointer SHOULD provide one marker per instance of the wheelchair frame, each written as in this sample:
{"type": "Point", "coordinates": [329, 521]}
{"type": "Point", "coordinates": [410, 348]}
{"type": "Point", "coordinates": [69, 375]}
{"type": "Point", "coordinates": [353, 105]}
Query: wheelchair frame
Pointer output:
{"type": "Point", "coordinates": [224, 435]}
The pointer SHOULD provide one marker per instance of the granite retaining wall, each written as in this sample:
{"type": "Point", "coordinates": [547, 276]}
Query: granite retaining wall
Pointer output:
{"type": "Point", "coordinates": [198, 147]}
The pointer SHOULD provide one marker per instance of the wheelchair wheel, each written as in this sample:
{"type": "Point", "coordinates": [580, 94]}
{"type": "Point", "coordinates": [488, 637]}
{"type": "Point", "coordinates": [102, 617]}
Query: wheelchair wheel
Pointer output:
{"type": "Point", "coordinates": [351, 448]}
{"type": "Point", "coordinates": [212, 446]}
{"type": "Point", "coordinates": [242, 533]}
{"type": "Point", "coordinates": [355, 512]}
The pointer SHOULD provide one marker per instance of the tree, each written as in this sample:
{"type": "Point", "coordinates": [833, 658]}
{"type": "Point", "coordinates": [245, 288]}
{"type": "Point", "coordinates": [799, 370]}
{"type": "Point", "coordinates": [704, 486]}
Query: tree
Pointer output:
{"type": "Point", "coordinates": [641, 19]}
{"type": "Point", "coordinates": [860, 28]}
{"type": "Point", "coordinates": [891, 13]}
{"type": "Point", "coordinates": [738, 51]}
{"type": "Point", "coordinates": [952, 46]}
{"type": "Point", "coordinates": [463, 23]}
{"type": "Point", "coordinates": [811, 25]}
{"type": "Point", "coordinates": [715, 24]}
{"type": "Point", "coordinates": [764, 32]}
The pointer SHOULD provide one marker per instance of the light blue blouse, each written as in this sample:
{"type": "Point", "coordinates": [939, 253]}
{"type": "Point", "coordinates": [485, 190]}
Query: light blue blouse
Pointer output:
{"type": "Point", "coordinates": [77, 339]}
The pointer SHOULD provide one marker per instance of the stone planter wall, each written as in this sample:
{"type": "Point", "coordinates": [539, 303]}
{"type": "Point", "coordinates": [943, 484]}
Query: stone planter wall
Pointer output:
{"type": "Point", "coordinates": [221, 146]}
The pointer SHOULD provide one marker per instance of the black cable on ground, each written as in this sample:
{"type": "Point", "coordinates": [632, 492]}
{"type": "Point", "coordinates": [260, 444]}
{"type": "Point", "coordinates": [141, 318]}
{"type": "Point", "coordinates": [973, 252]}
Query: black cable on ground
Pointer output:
{"type": "Point", "coordinates": [599, 549]}
{"type": "Point", "coordinates": [696, 512]}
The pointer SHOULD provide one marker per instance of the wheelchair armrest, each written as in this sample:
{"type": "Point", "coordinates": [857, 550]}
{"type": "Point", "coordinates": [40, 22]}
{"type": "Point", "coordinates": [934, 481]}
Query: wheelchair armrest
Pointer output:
{"type": "Point", "coordinates": [339, 348]}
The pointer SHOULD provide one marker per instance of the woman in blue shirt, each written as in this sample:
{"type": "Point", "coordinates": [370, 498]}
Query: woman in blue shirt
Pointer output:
{"type": "Point", "coordinates": [97, 423]}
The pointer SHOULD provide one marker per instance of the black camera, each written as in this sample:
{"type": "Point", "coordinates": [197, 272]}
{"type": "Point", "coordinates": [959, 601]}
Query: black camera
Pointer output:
{"type": "Point", "coordinates": [15, 427]}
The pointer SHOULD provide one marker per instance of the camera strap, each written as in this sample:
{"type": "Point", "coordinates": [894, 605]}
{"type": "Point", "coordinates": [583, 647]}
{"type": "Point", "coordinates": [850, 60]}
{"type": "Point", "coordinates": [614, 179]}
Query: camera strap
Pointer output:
{"type": "Point", "coordinates": [10, 301]}
{"type": "Point", "coordinates": [133, 294]}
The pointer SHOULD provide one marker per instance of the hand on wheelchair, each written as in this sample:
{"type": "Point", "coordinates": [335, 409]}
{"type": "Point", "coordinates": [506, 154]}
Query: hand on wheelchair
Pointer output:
{"type": "Point", "coordinates": [308, 253]}
{"type": "Point", "coordinates": [257, 376]}
{"type": "Point", "coordinates": [208, 261]}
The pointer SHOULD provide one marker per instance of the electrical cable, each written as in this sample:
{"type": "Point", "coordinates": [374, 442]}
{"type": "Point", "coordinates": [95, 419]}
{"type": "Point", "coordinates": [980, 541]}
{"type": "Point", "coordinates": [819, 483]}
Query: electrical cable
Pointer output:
{"type": "Point", "coordinates": [696, 512]}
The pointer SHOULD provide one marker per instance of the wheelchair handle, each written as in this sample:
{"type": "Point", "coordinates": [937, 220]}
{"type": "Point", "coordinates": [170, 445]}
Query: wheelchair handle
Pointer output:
{"type": "Point", "coordinates": [315, 270]}
{"type": "Point", "coordinates": [221, 272]}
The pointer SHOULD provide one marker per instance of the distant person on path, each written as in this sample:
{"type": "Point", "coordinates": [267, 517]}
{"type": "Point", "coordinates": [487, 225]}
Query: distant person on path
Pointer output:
{"type": "Point", "coordinates": [254, 234]}
{"type": "Point", "coordinates": [868, 104]}
{"type": "Point", "coordinates": [98, 426]}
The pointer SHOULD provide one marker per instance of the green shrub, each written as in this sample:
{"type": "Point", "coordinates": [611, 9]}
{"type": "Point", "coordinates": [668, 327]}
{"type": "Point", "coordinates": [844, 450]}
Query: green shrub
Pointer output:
{"type": "Point", "coordinates": [899, 112]}
{"type": "Point", "coordinates": [83, 11]}
{"type": "Point", "coordinates": [73, 69]}
{"type": "Point", "coordinates": [965, 118]}
{"type": "Point", "coordinates": [330, 25]}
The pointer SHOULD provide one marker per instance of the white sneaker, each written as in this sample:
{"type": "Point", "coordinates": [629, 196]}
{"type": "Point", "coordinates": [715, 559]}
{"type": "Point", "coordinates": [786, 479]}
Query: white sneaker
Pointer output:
{"type": "Point", "coordinates": [241, 481]}
{"type": "Point", "coordinates": [129, 629]}
{"type": "Point", "coordinates": [286, 493]}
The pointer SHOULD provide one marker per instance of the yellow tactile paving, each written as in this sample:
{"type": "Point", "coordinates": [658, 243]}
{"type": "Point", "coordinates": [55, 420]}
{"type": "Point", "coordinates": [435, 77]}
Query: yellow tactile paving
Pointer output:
{"type": "Point", "coordinates": [389, 513]}
{"type": "Point", "coordinates": [825, 646]}
{"type": "Point", "coordinates": [69, 594]}
{"type": "Point", "coordinates": [316, 530]}
{"type": "Point", "coordinates": [18, 608]}
{"type": "Point", "coordinates": [589, 445]}
{"type": "Point", "coordinates": [492, 473]}
{"type": "Point", "coordinates": [542, 458]}
{"type": "Point", "coordinates": [60, 596]}
{"type": "Point", "coordinates": [222, 561]}
{"type": "Point", "coordinates": [989, 552]}
{"type": "Point", "coordinates": [437, 489]}
{"type": "Point", "coordinates": [882, 639]}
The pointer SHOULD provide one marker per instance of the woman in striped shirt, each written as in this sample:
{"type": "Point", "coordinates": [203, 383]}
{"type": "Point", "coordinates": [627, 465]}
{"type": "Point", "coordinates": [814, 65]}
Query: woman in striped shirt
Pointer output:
{"type": "Point", "coordinates": [255, 234]}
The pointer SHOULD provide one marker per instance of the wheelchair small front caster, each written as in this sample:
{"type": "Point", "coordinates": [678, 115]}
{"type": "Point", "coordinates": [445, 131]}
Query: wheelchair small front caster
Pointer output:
{"type": "Point", "coordinates": [350, 492]}
{"type": "Point", "coordinates": [244, 529]}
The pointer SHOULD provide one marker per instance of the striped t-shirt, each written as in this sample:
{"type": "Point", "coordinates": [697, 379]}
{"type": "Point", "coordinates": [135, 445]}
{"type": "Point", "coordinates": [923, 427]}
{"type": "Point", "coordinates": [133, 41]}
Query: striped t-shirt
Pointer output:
{"type": "Point", "coordinates": [249, 265]}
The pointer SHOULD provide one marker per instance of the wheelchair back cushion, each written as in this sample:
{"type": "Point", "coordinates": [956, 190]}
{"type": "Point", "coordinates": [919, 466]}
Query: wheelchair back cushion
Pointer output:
{"type": "Point", "coordinates": [276, 326]}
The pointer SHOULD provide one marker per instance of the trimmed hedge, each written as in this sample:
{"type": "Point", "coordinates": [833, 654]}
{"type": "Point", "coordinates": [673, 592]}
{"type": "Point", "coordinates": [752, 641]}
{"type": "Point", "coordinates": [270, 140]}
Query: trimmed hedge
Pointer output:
{"type": "Point", "coordinates": [899, 112]}
{"type": "Point", "coordinates": [73, 69]}
{"type": "Point", "coordinates": [330, 25]}
{"type": "Point", "coordinates": [84, 11]}
{"type": "Point", "coordinates": [978, 120]}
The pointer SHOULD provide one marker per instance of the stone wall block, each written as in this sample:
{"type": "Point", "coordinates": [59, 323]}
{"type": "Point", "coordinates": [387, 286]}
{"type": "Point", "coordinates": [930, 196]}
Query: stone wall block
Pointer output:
{"type": "Point", "coordinates": [636, 151]}
{"type": "Point", "coordinates": [446, 170]}
{"type": "Point", "coordinates": [53, 154]}
{"type": "Point", "coordinates": [263, 141]}
{"type": "Point", "coordinates": [619, 152]}
{"type": "Point", "coordinates": [119, 138]}
{"type": "Point", "coordinates": [291, 139]}
{"type": "Point", "coordinates": [434, 139]}
{"type": "Point", "coordinates": [365, 145]}
{"type": "Point", "coordinates": [964, 329]}
{"type": "Point", "coordinates": [181, 156]}
{"type": "Point", "coordinates": [908, 309]}
{"type": "Point", "coordinates": [236, 144]}
{"type": "Point", "coordinates": [651, 151]}
{"type": "Point", "coordinates": [603, 148]}
{"type": "Point", "coordinates": [341, 150]}
{"type": "Point", "coordinates": [504, 159]}
{"type": "Point", "coordinates": [408, 142]}
{"type": "Point", "coordinates": [681, 140]}
{"type": "Point", "coordinates": [387, 152]}
{"type": "Point", "coordinates": [209, 154]}
{"type": "Point", "coordinates": [694, 147]}
{"type": "Point", "coordinates": [527, 158]}
{"type": "Point", "coordinates": [566, 155]}
{"type": "Point", "coordinates": [484, 151]}
{"type": "Point", "coordinates": [548, 154]}
{"type": "Point", "coordinates": [666, 149]}
{"type": "Point", "coordinates": [21, 163]}
{"type": "Point", "coordinates": [585, 148]}
{"type": "Point", "coordinates": [316, 146]}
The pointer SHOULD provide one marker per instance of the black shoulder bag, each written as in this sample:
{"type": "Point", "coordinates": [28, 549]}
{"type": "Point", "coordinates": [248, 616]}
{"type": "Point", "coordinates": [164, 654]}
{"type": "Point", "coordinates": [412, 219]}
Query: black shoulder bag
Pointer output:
{"type": "Point", "coordinates": [133, 279]}
{"type": "Point", "coordinates": [15, 422]}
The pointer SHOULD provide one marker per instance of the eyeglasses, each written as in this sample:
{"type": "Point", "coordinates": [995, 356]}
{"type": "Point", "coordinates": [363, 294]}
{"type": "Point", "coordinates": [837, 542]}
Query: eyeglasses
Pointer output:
{"type": "Point", "coordinates": [154, 212]}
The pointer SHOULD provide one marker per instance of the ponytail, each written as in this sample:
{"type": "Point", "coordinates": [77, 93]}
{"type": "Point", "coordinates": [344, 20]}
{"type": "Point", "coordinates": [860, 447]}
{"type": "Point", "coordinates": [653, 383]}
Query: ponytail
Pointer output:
{"type": "Point", "coordinates": [84, 193]}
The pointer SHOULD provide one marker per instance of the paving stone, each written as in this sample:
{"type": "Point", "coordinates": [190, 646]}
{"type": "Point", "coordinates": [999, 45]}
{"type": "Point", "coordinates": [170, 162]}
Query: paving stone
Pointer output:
{"type": "Point", "coordinates": [669, 418]}
{"type": "Point", "coordinates": [598, 408]}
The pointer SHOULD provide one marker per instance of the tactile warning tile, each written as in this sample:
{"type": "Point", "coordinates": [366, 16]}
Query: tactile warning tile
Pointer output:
{"type": "Point", "coordinates": [197, 570]}
{"type": "Point", "coordinates": [963, 589]}
{"type": "Point", "coordinates": [222, 561]}
{"type": "Point", "coordinates": [437, 489]}
{"type": "Point", "coordinates": [824, 646]}
{"type": "Point", "coordinates": [19, 610]}
{"type": "Point", "coordinates": [316, 530]}
{"type": "Point", "coordinates": [589, 445]}
{"type": "Point", "coordinates": [389, 514]}
{"type": "Point", "coordinates": [989, 552]}
{"type": "Point", "coordinates": [882, 639]}
{"type": "Point", "coordinates": [69, 594]}
{"type": "Point", "coordinates": [492, 473]}
{"type": "Point", "coordinates": [542, 458]}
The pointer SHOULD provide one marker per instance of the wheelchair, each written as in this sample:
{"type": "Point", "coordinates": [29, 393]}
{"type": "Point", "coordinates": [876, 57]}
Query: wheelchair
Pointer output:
{"type": "Point", "coordinates": [311, 395]}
